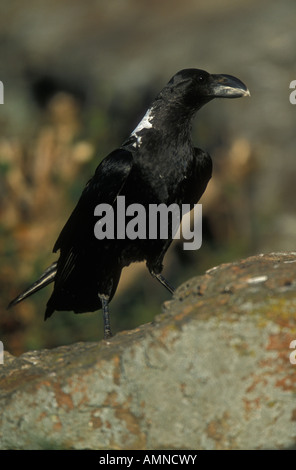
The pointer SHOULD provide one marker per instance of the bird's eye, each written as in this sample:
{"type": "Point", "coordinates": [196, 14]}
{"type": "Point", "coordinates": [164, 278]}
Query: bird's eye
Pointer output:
{"type": "Point", "coordinates": [201, 78]}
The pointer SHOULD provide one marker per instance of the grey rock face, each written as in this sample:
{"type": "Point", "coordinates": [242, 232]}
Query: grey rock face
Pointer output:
{"type": "Point", "coordinates": [212, 372]}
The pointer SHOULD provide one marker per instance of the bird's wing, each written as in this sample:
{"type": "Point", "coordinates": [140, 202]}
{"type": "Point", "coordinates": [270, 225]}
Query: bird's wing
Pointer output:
{"type": "Point", "coordinates": [202, 173]}
{"type": "Point", "coordinates": [104, 187]}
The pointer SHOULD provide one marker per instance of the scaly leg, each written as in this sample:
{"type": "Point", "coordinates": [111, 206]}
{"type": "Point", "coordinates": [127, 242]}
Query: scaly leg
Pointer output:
{"type": "Point", "coordinates": [163, 281]}
{"type": "Point", "coordinates": [106, 317]}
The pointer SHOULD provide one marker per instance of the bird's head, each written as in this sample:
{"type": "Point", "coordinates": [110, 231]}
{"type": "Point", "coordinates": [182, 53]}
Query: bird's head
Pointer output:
{"type": "Point", "coordinates": [193, 88]}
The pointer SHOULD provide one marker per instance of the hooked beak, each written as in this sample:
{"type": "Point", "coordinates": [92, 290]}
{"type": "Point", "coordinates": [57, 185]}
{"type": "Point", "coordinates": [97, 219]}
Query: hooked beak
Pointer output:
{"type": "Point", "coordinates": [227, 86]}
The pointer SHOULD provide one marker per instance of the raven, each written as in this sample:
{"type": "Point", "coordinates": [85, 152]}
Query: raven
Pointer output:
{"type": "Point", "coordinates": [157, 164]}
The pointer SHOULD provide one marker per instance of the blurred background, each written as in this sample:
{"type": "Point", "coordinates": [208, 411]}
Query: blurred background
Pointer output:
{"type": "Point", "coordinates": [77, 78]}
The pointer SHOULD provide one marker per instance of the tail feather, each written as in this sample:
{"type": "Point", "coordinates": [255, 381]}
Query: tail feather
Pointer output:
{"type": "Point", "coordinates": [46, 278]}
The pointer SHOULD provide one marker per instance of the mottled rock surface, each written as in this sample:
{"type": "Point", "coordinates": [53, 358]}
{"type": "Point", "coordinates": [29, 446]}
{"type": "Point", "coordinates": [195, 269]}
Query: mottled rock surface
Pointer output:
{"type": "Point", "coordinates": [212, 372]}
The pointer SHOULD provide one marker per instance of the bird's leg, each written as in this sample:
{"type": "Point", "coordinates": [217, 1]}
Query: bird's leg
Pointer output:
{"type": "Point", "coordinates": [106, 317]}
{"type": "Point", "coordinates": [163, 281]}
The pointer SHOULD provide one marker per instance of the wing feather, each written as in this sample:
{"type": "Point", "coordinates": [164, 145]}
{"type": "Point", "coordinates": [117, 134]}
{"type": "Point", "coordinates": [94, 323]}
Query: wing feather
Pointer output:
{"type": "Point", "coordinates": [104, 187]}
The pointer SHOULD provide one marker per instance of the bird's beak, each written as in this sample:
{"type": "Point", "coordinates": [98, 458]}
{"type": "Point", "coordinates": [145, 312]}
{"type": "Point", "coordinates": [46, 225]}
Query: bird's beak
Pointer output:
{"type": "Point", "coordinates": [227, 86]}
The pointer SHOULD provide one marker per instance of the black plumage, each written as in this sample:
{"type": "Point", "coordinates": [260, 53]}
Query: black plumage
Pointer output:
{"type": "Point", "coordinates": [156, 164]}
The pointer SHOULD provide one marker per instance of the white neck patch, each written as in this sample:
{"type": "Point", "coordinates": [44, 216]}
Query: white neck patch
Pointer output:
{"type": "Point", "coordinates": [145, 123]}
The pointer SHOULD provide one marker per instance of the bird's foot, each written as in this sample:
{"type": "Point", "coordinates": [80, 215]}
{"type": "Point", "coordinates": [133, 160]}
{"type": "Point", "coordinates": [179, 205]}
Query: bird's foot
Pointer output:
{"type": "Point", "coordinates": [163, 281]}
{"type": "Point", "coordinates": [106, 316]}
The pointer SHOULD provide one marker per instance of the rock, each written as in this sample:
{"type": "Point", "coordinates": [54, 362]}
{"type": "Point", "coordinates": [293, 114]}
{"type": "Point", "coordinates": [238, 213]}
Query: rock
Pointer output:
{"type": "Point", "coordinates": [212, 372]}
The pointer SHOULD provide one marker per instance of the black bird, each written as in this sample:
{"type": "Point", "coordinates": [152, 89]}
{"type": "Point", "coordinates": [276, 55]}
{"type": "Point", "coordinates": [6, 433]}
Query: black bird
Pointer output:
{"type": "Point", "coordinates": [156, 164]}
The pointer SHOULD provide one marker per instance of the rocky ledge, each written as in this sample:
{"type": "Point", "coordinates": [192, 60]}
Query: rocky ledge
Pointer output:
{"type": "Point", "coordinates": [214, 371]}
